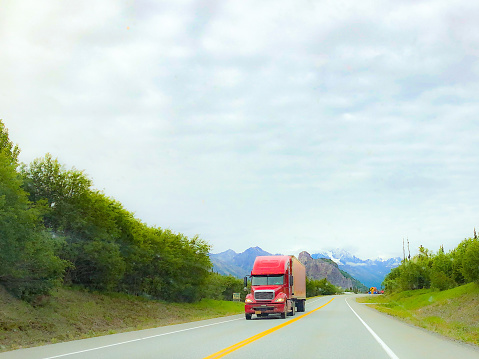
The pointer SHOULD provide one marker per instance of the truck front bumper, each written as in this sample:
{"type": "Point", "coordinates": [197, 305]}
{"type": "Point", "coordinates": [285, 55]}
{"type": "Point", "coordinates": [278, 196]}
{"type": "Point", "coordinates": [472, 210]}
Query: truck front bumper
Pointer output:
{"type": "Point", "coordinates": [266, 308]}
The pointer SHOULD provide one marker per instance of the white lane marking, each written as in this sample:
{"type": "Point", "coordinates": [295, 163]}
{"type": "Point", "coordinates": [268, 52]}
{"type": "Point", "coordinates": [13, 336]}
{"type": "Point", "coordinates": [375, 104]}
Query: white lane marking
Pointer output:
{"type": "Point", "coordinates": [136, 340]}
{"type": "Point", "coordinates": [388, 350]}
{"type": "Point", "coordinates": [314, 301]}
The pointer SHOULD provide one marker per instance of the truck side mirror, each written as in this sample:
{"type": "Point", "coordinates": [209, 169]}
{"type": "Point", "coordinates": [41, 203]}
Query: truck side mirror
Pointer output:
{"type": "Point", "coordinates": [291, 281]}
{"type": "Point", "coordinates": [245, 284]}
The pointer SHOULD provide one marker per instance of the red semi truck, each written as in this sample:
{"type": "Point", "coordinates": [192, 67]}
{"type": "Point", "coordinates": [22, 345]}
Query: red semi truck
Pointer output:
{"type": "Point", "coordinates": [278, 286]}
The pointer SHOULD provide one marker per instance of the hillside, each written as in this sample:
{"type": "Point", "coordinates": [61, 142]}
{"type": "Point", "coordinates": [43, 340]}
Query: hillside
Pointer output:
{"type": "Point", "coordinates": [453, 313]}
{"type": "Point", "coordinates": [75, 314]}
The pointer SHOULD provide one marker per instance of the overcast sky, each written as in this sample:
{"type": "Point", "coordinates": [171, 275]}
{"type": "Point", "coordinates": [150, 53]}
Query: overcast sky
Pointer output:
{"type": "Point", "coordinates": [289, 125]}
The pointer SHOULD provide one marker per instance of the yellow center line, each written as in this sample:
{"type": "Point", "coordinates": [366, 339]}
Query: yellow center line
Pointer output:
{"type": "Point", "coordinates": [241, 344]}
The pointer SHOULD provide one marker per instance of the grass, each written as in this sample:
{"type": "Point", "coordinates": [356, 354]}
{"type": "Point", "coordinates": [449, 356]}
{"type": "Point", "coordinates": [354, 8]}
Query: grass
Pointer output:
{"type": "Point", "coordinates": [453, 313]}
{"type": "Point", "coordinates": [76, 314]}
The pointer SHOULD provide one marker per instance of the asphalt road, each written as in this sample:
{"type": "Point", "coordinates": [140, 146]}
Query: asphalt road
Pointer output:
{"type": "Point", "coordinates": [331, 327]}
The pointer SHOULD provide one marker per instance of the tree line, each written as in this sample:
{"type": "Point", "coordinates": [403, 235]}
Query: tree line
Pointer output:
{"type": "Point", "coordinates": [56, 229]}
{"type": "Point", "coordinates": [438, 270]}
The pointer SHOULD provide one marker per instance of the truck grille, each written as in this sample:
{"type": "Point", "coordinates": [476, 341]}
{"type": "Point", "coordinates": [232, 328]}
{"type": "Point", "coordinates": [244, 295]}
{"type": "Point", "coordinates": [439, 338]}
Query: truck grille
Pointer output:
{"type": "Point", "coordinates": [262, 309]}
{"type": "Point", "coordinates": [264, 295]}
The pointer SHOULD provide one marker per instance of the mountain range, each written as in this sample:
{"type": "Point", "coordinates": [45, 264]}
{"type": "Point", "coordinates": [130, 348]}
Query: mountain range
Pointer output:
{"type": "Point", "coordinates": [370, 272]}
{"type": "Point", "coordinates": [338, 266]}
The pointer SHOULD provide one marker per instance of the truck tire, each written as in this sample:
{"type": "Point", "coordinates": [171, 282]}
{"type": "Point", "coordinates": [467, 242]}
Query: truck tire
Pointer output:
{"type": "Point", "coordinates": [247, 316]}
{"type": "Point", "coordinates": [283, 315]}
{"type": "Point", "coordinates": [301, 305]}
{"type": "Point", "coordinates": [293, 308]}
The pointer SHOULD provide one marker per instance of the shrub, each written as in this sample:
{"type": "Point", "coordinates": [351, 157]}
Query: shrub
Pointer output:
{"type": "Point", "coordinates": [470, 262]}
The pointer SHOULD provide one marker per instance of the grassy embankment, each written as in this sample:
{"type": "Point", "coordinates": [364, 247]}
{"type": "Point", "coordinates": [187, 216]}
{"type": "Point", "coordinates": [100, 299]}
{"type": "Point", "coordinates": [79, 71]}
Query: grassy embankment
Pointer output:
{"type": "Point", "coordinates": [73, 314]}
{"type": "Point", "coordinates": [453, 313]}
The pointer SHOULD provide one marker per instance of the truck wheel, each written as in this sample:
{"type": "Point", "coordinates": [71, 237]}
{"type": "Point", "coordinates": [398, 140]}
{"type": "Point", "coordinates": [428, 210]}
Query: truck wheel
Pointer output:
{"type": "Point", "coordinates": [301, 306]}
{"type": "Point", "coordinates": [283, 315]}
{"type": "Point", "coordinates": [293, 307]}
{"type": "Point", "coordinates": [247, 316]}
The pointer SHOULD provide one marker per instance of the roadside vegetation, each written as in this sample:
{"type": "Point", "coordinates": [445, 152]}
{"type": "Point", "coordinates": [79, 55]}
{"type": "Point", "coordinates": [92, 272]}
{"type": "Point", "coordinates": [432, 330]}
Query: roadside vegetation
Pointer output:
{"type": "Point", "coordinates": [438, 270]}
{"type": "Point", "coordinates": [437, 291]}
{"type": "Point", "coordinates": [315, 287]}
{"type": "Point", "coordinates": [70, 314]}
{"type": "Point", "coordinates": [453, 313]}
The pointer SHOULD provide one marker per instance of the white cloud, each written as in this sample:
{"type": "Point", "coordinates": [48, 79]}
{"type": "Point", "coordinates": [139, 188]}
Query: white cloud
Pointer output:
{"type": "Point", "coordinates": [288, 125]}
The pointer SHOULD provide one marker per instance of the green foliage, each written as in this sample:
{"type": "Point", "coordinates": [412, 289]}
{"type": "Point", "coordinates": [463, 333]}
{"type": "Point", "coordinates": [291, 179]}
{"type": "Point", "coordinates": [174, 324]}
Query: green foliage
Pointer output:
{"type": "Point", "coordinates": [221, 287]}
{"type": "Point", "coordinates": [392, 282]}
{"type": "Point", "coordinates": [316, 287]}
{"type": "Point", "coordinates": [440, 281]}
{"type": "Point", "coordinates": [414, 274]}
{"type": "Point", "coordinates": [28, 265]}
{"type": "Point", "coordinates": [66, 192]}
{"type": "Point", "coordinates": [7, 147]}
{"type": "Point", "coordinates": [441, 271]}
{"type": "Point", "coordinates": [470, 261]}
{"type": "Point", "coordinates": [109, 248]}
{"type": "Point", "coordinates": [97, 264]}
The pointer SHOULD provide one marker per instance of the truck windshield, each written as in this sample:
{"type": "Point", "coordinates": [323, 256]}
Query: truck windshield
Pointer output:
{"type": "Point", "coordinates": [267, 279]}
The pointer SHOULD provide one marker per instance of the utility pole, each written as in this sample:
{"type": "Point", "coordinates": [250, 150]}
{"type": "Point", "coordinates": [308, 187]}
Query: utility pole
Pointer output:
{"type": "Point", "coordinates": [409, 251]}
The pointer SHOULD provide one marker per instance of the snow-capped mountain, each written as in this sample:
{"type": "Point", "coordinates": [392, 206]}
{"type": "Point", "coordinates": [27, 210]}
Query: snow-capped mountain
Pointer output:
{"type": "Point", "coordinates": [370, 272]}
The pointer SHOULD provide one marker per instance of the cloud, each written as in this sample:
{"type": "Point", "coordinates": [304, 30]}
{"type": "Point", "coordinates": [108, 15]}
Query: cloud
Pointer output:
{"type": "Point", "coordinates": [279, 124]}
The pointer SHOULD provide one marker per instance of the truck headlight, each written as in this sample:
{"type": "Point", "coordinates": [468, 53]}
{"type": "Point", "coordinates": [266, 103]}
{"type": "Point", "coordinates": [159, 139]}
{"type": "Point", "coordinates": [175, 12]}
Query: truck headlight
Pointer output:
{"type": "Point", "coordinates": [279, 300]}
{"type": "Point", "coordinates": [247, 300]}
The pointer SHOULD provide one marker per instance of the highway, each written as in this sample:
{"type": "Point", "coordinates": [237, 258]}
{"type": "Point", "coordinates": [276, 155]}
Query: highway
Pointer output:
{"type": "Point", "coordinates": [331, 327]}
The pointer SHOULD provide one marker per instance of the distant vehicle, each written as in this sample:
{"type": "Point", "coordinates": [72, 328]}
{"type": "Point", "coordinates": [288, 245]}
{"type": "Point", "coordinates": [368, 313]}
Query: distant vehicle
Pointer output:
{"type": "Point", "coordinates": [373, 290]}
{"type": "Point", "coordinates": [278, 286]}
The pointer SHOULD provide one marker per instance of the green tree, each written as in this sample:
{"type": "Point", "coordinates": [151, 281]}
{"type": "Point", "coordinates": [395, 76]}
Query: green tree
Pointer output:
{"type": "Point", "coordinates": [392, 282]}
{"type": "Point", "coordinates": [316, 287]}
{"type": "Point", "coordinates": [7, 147]}
{"type": "Point", "coordinates": [441, 271]}
{"type": "Point", "coordinates": [65, 191]}
{"type": "Point", "coordinates": [29, 266]}
{"type": "Point", "coordinates": [98, 264]}
{"type": "Point", "coordinates": [470, 261]}
{"type": "Point", "coordinates": [458, 255]}
{"type": "Point", "coordinates": [222, 287]}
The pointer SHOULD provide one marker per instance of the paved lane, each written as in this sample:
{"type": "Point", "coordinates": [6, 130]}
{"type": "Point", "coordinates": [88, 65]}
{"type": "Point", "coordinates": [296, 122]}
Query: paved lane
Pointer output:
{"type": "Point", "coordinates": [335, 331]}
{"type": "Point", "coordinates": [332, 331]}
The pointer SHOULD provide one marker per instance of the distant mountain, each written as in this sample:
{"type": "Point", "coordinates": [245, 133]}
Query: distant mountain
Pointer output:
{"type": "Point", "coordinates": [240, 265]}
{"type": "Point", "coordinates": [236, 264]}
{"type": "Point", "coordinates": [319, 268]}
{"type": "Point", "coordinates": [370, 272]}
